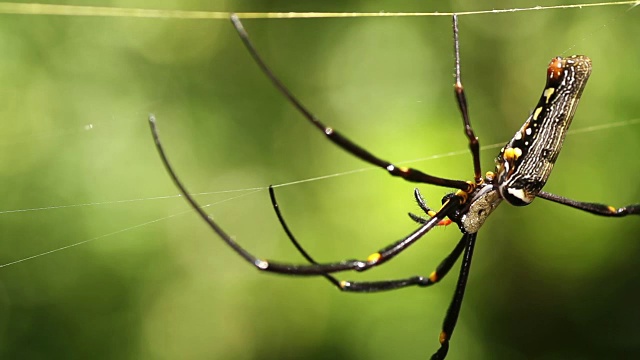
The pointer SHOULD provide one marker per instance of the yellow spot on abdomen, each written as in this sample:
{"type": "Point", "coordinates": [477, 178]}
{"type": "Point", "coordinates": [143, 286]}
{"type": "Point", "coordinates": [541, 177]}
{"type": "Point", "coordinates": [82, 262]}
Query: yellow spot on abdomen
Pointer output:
{"type": "Point", "coordinates": [537, 113]}
{"type": "Point", "coordinates": [547, 94]}
{"type": "Point", "coordinates": [512, 154]}
{"type": "Point", "coordinates": [508, 154]}
{"type": "Point", "coordinates": [517, 152]}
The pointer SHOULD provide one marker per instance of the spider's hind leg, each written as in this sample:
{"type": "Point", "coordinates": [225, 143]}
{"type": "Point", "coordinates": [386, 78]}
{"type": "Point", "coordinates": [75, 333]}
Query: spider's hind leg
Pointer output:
{"type": "Point", "coordinates": [593, 208]}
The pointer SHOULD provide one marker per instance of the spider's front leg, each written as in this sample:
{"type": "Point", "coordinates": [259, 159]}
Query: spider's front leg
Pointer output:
{"type": "Point", "coordinates": [372, 260]}
{"type": "Point", "coordinates": [406, 173]}
{"type": "Point", "coordinates": [427, 210]}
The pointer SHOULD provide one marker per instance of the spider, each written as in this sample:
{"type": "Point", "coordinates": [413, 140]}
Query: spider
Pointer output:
{"type": "Point", "coordinates": [522, 169]}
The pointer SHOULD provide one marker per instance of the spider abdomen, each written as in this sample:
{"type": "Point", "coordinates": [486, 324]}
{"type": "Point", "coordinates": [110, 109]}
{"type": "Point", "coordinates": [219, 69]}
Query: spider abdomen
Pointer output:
{"type": "Point", "coordinates": [525, 162]}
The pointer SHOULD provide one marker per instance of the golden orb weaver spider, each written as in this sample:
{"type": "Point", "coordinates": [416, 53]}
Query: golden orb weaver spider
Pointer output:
{"type": "Point", "coordinates": [522, 169]}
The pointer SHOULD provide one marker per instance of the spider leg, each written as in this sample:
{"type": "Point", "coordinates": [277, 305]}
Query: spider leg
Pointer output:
{"type": "Point", "coordinates": [301, 250]}
{"type": "Point", "coordinates": [474, 144]}
{"type": "Point", "coordinates": [438, 274]}
{"type": "Point", "coordinates": [417, 218]}
{"type": "Point", "coordinates": [337, 138]}
{"type": "Point", "coordinates": [375, 259]}
{"type": "Point", "coordinates": [421, 202]}
{"type": "Point", "coordinates": [375, 286]}
{"type": "Point", "coordinates": [453, 311]}
{"type": "Point", "coordinates": [427, 210]}
{"type": "Point", "coordinates": [594, 208]}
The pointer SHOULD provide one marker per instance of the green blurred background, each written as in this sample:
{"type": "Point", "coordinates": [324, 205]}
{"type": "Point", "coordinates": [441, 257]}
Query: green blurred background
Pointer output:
{"type": "Point", "coordinates": [154, 282]}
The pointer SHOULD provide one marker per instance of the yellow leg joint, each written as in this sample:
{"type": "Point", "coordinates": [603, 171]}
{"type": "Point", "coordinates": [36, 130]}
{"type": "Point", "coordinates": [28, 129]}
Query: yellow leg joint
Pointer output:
{"type": "Point", "coordinates": [471, 187]}
{"type": "Point", "coordinates": [443, 337]}
{"type": "Point", "coordinates": [463, 195]}
{"type": "Point", "coordinates": [373, 258]}
{"type": "Point", "coordinates": [612, 209]}
{"type": "Point", "coordinates": [433, 277]}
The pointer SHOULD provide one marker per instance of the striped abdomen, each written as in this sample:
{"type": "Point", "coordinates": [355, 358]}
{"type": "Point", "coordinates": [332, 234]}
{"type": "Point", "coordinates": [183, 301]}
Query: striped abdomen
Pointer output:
{"type": "Point", "coordinates": [524, 164]}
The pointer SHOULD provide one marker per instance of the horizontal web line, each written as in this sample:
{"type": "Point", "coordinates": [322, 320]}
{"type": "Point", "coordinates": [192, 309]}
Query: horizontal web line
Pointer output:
{"type": "Point", "coordinates": [70, 10]}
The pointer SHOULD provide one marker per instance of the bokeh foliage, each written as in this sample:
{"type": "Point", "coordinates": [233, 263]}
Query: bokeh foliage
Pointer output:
{"type": "Point", "coordinates": [154, 282]}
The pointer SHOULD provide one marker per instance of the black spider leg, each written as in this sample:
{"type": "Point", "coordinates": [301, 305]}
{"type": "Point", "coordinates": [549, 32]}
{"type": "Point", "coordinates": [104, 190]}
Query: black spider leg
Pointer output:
{"type": "Point", "coordinates": [594, 208]}
{"type": "Point", "coordinates": [375, 286]}
{"type": "Point", "coordinates": [378, 258]}
{"type": "Point", "coordinates": [301, 250]}
{"type": "Point", "coordinates": [347, 145]}
{"type": "Point", "coordinates": [453, 311]}
{"type": "Point", "coordinates": [435, 277]}
{"type": "Point", "coordinates": [474, 144]}
{"type": "Point", "coordinates": [423, 205]}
